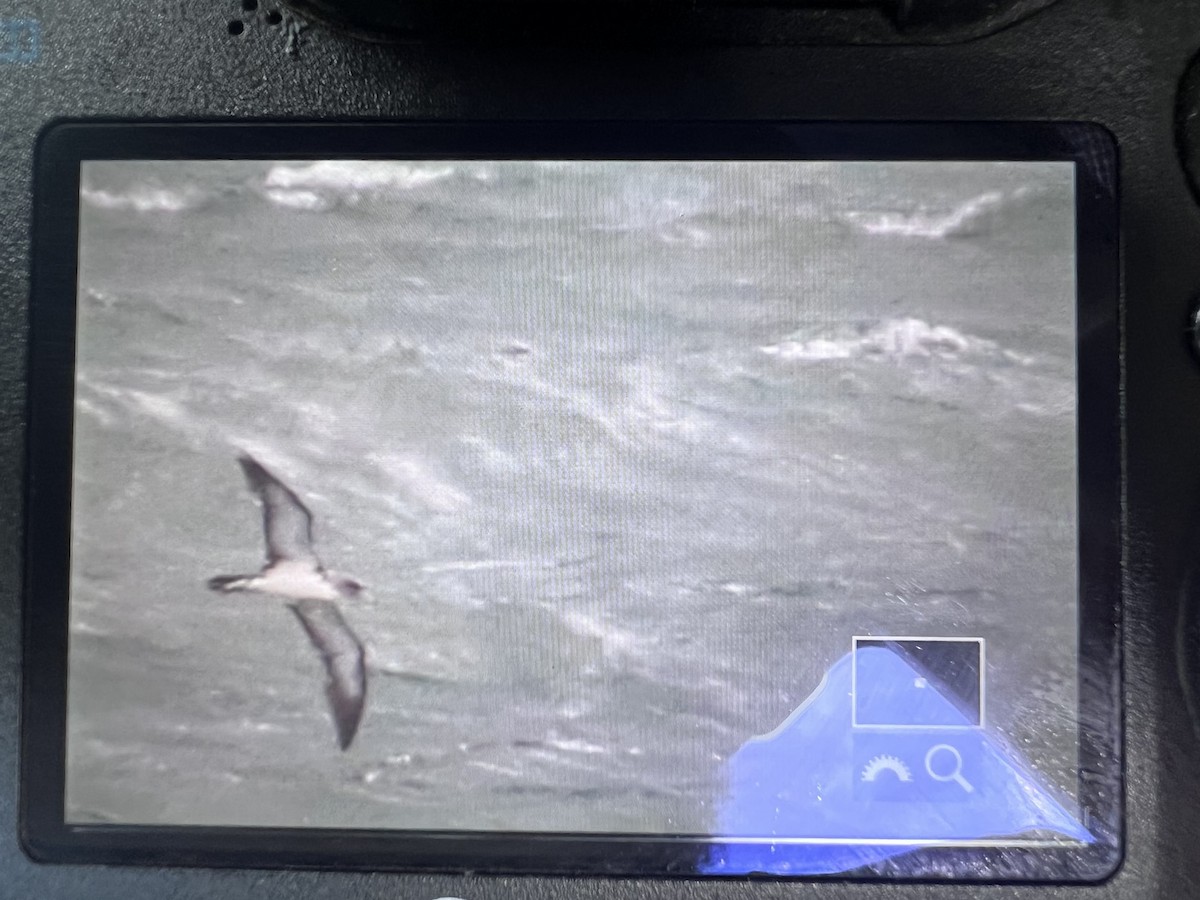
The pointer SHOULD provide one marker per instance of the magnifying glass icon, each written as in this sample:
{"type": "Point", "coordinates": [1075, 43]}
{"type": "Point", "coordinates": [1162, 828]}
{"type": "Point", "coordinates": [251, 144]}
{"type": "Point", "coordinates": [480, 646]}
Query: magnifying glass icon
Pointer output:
{"type": "Point", "coordinates": [945, 754]}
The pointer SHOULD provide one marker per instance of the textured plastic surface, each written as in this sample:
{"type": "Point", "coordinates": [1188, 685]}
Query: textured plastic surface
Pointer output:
{"type": "Point", "coordinates": [1116, 63]}
{"type": "Point", "coordinates": [674, 22]}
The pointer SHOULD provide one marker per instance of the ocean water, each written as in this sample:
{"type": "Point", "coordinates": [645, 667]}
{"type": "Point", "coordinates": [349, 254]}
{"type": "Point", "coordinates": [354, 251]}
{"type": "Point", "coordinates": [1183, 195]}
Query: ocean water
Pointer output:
{"type": "Point", "coordinates": [625, 454]}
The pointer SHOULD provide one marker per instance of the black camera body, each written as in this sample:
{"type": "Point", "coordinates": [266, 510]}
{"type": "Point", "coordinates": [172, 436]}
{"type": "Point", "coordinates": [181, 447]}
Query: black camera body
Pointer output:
{"type": "Point", "coordinates": [1126, 67]}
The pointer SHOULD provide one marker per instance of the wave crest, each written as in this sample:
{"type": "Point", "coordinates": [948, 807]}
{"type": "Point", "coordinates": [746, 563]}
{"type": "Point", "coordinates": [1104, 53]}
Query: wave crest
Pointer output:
{"type": "Point", "coordinates": [891, 339]}
{"type": "Point", "coordinates": [965, 219]}
{"type": "Point", "coordinates": [321, 185]}
{"type": "Point", "coordinates": [145, 198]}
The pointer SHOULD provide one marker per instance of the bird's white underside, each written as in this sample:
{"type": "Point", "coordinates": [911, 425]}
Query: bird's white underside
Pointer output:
{"type": "Point", "coordinates": [295, 580]}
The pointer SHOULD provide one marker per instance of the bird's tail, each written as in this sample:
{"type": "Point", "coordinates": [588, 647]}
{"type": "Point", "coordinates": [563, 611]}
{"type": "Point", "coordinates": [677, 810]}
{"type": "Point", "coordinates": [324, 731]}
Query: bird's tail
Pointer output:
{"type": "Point", "coordinates": [228, 583]}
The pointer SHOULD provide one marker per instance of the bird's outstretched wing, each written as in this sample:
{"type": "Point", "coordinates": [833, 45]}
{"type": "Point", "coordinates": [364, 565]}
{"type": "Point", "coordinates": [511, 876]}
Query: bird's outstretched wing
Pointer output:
{"type": "Point", "coordinates": [342, 653]}
{"type": "Point", "coordinates": [287, 523]}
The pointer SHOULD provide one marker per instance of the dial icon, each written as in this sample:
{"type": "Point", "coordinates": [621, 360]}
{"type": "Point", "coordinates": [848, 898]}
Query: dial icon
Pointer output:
{"type": "Point", "coordinates": [885, 763]}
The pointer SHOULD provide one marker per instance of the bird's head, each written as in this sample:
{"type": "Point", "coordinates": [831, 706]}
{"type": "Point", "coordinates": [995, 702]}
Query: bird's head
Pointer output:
{"type": "Point", "coordinates": [348, 587]}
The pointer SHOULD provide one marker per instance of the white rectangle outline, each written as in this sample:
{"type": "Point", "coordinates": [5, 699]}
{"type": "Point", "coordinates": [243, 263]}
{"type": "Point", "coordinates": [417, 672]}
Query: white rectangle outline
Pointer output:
{"type": "Point", "coordinates": [928, 638]}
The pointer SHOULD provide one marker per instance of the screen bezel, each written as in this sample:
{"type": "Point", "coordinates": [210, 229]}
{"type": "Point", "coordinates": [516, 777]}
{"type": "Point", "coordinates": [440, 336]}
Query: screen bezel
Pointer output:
{"type": "Point", "coordinates": [64, 146]}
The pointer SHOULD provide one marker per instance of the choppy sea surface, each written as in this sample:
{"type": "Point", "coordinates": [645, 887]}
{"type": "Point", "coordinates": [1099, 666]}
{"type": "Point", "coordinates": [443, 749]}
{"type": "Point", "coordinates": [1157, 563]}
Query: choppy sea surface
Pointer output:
{"type": "Point", "coordinates": [625, 453]}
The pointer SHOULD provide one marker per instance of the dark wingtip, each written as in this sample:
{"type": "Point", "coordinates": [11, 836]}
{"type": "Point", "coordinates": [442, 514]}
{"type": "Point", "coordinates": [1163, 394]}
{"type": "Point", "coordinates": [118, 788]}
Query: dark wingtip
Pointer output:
{"type": "Point", "coordinates": [346, 730]}
{"type": "Point", "coordinates": [347, 717]}
{"type": "Point", "coordinates": [251, 466]}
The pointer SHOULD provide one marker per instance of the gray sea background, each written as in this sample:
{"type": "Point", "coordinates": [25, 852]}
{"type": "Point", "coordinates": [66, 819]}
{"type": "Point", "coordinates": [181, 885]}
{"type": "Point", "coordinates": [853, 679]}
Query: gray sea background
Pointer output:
{"type": "Point", "coordinates": [625, 453]}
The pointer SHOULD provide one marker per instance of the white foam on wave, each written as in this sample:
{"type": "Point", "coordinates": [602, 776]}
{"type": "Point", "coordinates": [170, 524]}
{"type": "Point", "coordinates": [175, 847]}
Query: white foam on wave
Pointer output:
{"type": "Point", "coordinates": [495, 769]}
{"type": "Point", "coordinates": [616, 643]}
{"type": "Point", "coordinates": [157, 406]}
{"type": "Point", "coordinates": [164, 409]}
{"type": "Point", "coordinates": [482, 565]}
{"type": "Point", "coordinates": [492, 458]}
{"type": "Point", "coordinates": [597, 411]}
{"type": "Point", "coordinates": [672, 232]}
{"type": "Point", "coordinates": [419, 482]}
{"type": "Point", "coordinates": [79, 627]}
{"type": "Point", "coordinates": [924, 222]}
{"type": "Point", "coordinates": [322, 185]}
{"type": "Point", "coordinates": [653, 405]}
{"type": "Point", "coordinates": [349, 176]}
{"type": "Point", "coordinates": [1059, 405]}
{"type": "Point", "coordinates": [891, 339]}
{"type": "Point", "coordinates": [815, 349]}
{"type": "Point", "coordinates": [144, 198]}
{"type": "Point", "coordinates": [575, 745]}
{"type": "Point", "coordinates": [688, 235]}
{"type": "Point", "coordinates": [302, 199]}
{"type": "Point", "coordinates": [87, 408]}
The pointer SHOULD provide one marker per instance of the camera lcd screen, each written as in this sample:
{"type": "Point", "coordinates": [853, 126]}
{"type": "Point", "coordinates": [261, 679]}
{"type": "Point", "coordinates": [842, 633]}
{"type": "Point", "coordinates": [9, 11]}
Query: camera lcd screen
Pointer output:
{"type": "Point", "coordinates": [732, 504]}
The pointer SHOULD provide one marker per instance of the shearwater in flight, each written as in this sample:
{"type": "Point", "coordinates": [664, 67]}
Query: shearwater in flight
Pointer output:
{"type": "Point", "coordinates": [294, 572]}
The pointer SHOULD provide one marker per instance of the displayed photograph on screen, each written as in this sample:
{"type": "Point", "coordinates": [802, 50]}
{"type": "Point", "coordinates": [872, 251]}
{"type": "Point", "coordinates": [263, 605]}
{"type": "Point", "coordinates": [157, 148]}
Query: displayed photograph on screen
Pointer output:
{"type": "Point", "coordinates": [731, 499]}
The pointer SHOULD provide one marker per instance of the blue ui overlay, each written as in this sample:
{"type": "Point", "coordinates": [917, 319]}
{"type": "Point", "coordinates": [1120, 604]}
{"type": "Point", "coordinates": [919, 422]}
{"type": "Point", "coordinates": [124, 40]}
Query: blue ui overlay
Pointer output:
{"type": "Point", "coordinates": [819, 796]}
